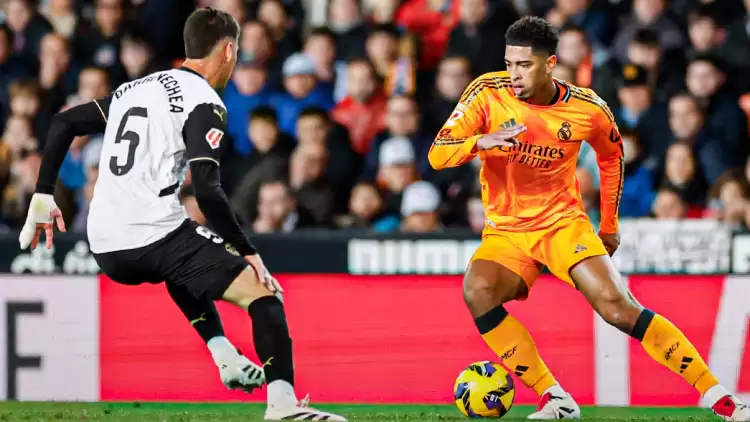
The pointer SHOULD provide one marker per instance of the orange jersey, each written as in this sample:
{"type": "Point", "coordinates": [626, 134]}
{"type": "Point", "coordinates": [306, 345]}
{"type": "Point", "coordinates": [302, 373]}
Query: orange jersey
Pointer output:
{"type": "Point", "coordinates": [533, 185]}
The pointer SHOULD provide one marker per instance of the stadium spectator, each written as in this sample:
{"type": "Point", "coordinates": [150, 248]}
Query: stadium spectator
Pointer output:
{"type": "Point", "coordinates": [248, 90]}
{"type": "Point", "coordinates": [278, 211]}
{"type": "Point", "coordinates": [478, 26]}
{"type": "Point", "coordinates": [728, 199]}
{"type": "Point", "coordinates": [453, 76]}
{"type": "Point", "coordinates": [638, 188]}
{"type": "Point", "coordinates": [432, 21]}
{"type": "Point", "coordinates": [648, 14]}
{"type": "Point", "coordinates": [365, 206]}
{"type": "Point", "coordinates": [707, 82]}
{"type": "Point", "coordinates": [346, 21]}
{"type": "Point", "coordinates": [136, 57]}
{"type": "Point", "coordinates": [362, 112]}
{"type": "Point", "coordinates": [638, 113]}
{"type": "Point", "coordinates": [593, 20]}
{"type": "Point", "coordinates": [668, 205]}
{"type": "Point", "coordinates": [256, 46]}
{"type": "Point", "coordinates": [284, 30]}
{"type": "Point", "coordinates": [308, 183]}
{"type": "Point", "coordinates": [687, 124]}
{"type": "Point", "coordinates": [320, 47]}
{"type": "Point", "coordinates": [396, 170]}
{"type": "Point", "coordinates": [91, 156]}
{"type": "Point", "coordinates": [665, 68]}
{"type": "Point", "coordinates": [268, 160]}
{"type": "Point", "coordinates": [27, 25]}
{"type": "Point", "coordinates": [402, 120]}
{"type": "Point", "coordinates": [61, 15]}
{"type": "Point", "coordinates": [315, 127]}
{"type": "Point", "coordinates": [301, 90]}
{"type": "Point", "coordinates": [420, 208]}
{"type": "Point", "coordinates": [57, 78]}
{"type": "Point", "coordinates": [681, 175]}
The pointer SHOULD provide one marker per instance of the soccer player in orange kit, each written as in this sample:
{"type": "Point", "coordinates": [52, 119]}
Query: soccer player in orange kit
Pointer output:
{"type": "Point", "coordinates": [527, 128]}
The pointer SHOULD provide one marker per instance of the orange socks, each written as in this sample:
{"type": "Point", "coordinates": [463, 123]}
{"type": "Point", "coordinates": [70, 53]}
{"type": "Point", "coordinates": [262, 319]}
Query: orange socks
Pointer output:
{"type": "Point", "coordinates": [513, 344]}
{"type": "Point", "coordinates": [666, 344]}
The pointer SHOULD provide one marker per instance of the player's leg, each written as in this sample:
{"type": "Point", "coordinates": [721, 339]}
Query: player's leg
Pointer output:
{"type": "Point", "coordinates": [498, 273]}
{"type": "Point", "coordinates": [235, 370]}
{"type": "Point", "coordinates": [600, 282]}
{"type": "Point", "coordinates": [274, 347]}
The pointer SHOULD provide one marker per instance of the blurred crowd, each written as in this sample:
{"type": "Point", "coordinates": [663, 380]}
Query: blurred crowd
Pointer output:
{"type": "Point", "coordinates": [334, 103]}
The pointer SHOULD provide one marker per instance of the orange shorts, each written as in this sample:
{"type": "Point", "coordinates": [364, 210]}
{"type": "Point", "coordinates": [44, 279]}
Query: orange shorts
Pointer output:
{"type": "Point", "coordinates": [559, 248]}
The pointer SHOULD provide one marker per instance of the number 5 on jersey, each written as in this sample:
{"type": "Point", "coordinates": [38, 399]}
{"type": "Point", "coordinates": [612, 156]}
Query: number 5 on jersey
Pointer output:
{"type": "Point", "coordinates": [213, 137]}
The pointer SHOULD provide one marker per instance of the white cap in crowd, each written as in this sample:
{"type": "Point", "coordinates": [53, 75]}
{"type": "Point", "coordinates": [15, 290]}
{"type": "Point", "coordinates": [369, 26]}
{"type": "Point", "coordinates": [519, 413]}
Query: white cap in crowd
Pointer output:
{"type": "Point", "coordinates": [396, 150]}
{"type": "Point", "coordinates": [298, 64]}
{"type": "Point", "coordinates": [419, 197]}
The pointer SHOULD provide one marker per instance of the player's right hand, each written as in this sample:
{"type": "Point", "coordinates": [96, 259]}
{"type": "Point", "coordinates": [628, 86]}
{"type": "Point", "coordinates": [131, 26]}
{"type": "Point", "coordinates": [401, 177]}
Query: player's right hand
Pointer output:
{"type": "Point", "coordinates": [42, 212]}
{"type": "Point", "coordinates": [505, 137]}
{"type": "Point", "coordinates": [264, 276]}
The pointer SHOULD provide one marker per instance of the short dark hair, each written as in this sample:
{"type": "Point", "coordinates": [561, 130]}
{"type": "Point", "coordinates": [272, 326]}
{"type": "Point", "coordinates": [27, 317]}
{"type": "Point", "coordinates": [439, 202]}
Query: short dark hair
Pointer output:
{"type": "Point", "coordinates": [534, 32]}
{"type": "Point", "coordinates": [322, 31]}
{"type": "Point", "coordinates": [647, 37]}
{"type": "Point", "coordinates": [266, 114]}
{"type": "Point", "coordinates": [315, 112]}
{"type": "Point", "coordinates": [205, 28]}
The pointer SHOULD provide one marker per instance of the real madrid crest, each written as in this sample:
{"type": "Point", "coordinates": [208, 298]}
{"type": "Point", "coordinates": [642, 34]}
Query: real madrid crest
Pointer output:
{"type": "Point", "coordinates": [565, 132]}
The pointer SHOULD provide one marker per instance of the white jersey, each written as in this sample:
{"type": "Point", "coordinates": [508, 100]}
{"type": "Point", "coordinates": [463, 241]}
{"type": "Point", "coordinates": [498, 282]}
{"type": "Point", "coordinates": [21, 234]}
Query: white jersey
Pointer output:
{"type": "Point", "coordinates": [145, 155]}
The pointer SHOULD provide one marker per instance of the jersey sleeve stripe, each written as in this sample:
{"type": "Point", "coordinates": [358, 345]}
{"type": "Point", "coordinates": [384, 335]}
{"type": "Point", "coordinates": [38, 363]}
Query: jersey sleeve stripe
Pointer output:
{"type": "Point", "coordinates": [104, 116]}
{"type": "Point", "coordinates": [203, 159]}
{"type": "Point", "coordinates": [603, 107]}
{"type": "Point", "coordinates": [620, 184]}
{"type": "Point", "coordinates": [478, 85]}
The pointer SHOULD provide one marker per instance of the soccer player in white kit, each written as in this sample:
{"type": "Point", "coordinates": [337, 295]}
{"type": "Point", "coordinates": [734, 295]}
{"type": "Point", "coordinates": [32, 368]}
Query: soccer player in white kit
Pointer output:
{"type": "Point", "coordinates": [154, 128]}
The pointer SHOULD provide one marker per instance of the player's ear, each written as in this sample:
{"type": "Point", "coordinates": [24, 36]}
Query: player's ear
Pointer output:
{"type": "Point", "coordinates": [229, 50]}
{"type": "Point", "coordinates": [551, 63]}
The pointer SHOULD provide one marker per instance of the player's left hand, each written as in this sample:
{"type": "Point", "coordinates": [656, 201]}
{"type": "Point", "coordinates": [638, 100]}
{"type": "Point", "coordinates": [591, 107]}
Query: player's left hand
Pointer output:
{"type": "Point", "coordinates": [611, 241]}
{"type": "Point", "coordinates": [42, 212]}
{"type": "Point", "coordinates": [264, 276]}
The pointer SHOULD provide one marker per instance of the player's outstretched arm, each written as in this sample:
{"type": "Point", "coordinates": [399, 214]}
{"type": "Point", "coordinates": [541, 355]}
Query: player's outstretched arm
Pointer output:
{"type": "Point", "coordinates": [456, 143]}
{"type": "Point", "coordinates": [85, 119]}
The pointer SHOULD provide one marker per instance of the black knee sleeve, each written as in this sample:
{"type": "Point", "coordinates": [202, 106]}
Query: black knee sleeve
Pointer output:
{"type": "Point", "coordinates": [491, 319]}
{"type": "Point", "coordinates": [271, 337]}
{"type": "Point", "coordinates": [641, 325]}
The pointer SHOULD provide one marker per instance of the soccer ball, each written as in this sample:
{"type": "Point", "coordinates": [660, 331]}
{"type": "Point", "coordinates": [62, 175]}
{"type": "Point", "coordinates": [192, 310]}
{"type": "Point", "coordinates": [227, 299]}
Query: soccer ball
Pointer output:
{"type": "Point", "coordinates": [484, 389]}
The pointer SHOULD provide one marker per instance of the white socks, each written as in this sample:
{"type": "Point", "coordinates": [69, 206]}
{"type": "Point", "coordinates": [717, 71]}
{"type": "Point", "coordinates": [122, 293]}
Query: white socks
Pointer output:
{"type": "Point", "coordinates": [556, 391]}
{"type": "Point", "coordinates": [714, 393]}
{"type": "Point", "coordinates": [281, 394]}
{"type": "Point", "coordinates": [221, 350]}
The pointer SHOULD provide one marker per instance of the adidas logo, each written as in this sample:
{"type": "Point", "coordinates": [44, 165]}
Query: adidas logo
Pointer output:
{"type": "Point", "coordinates": [520, 370]}
{"type": "Point", "coordinates": [580, 248]}
{"type": "Point", "coordinates": [685, 363]}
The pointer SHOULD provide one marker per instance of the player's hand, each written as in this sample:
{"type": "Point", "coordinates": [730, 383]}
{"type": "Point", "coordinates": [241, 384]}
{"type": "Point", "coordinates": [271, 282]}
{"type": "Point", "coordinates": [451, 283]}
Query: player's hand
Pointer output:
{"type": "Point", "coordinates": [264, 276]}
{"type": "Point", "coordinates": [43, 214]}
{"type": "Point", "coordinates": [502, 138]}
{"type": "Point", "coordinates": [611, 241]}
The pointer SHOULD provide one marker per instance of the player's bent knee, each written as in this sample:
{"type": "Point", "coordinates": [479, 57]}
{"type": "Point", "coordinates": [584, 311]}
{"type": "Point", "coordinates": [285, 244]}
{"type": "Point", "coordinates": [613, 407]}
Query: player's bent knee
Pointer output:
{"type": "Point", "coordinates": [617, 309]}
{"type": "Point", "coordinates": [245, 289]}
{"type": "Point", "coordinates": [488, 284]}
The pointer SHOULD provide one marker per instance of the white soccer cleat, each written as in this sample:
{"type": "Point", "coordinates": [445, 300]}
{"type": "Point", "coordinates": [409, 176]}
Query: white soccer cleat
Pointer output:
{"type": "Point", "coordinates": [300, 412]}
{"type": "Point", "coordinates": [556, 407]}
{"type": "Point", "coordinates": [730, 408]}
{"type": "Point", "coordinates": [241, 374]}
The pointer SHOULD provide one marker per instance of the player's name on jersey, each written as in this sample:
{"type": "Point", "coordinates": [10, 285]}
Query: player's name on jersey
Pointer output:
{"type": "Point", "coordinates": [170, 84]}
{"type": "Point", "coordinates": [424, 256]}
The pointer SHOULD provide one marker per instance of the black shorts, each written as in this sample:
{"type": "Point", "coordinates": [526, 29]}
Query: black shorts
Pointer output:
{"type": "Point", "coordinates": [191, 256]}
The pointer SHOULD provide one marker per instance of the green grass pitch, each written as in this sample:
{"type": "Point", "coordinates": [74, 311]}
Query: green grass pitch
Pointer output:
{"type": "Point", "coordinates": [179, 412]}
